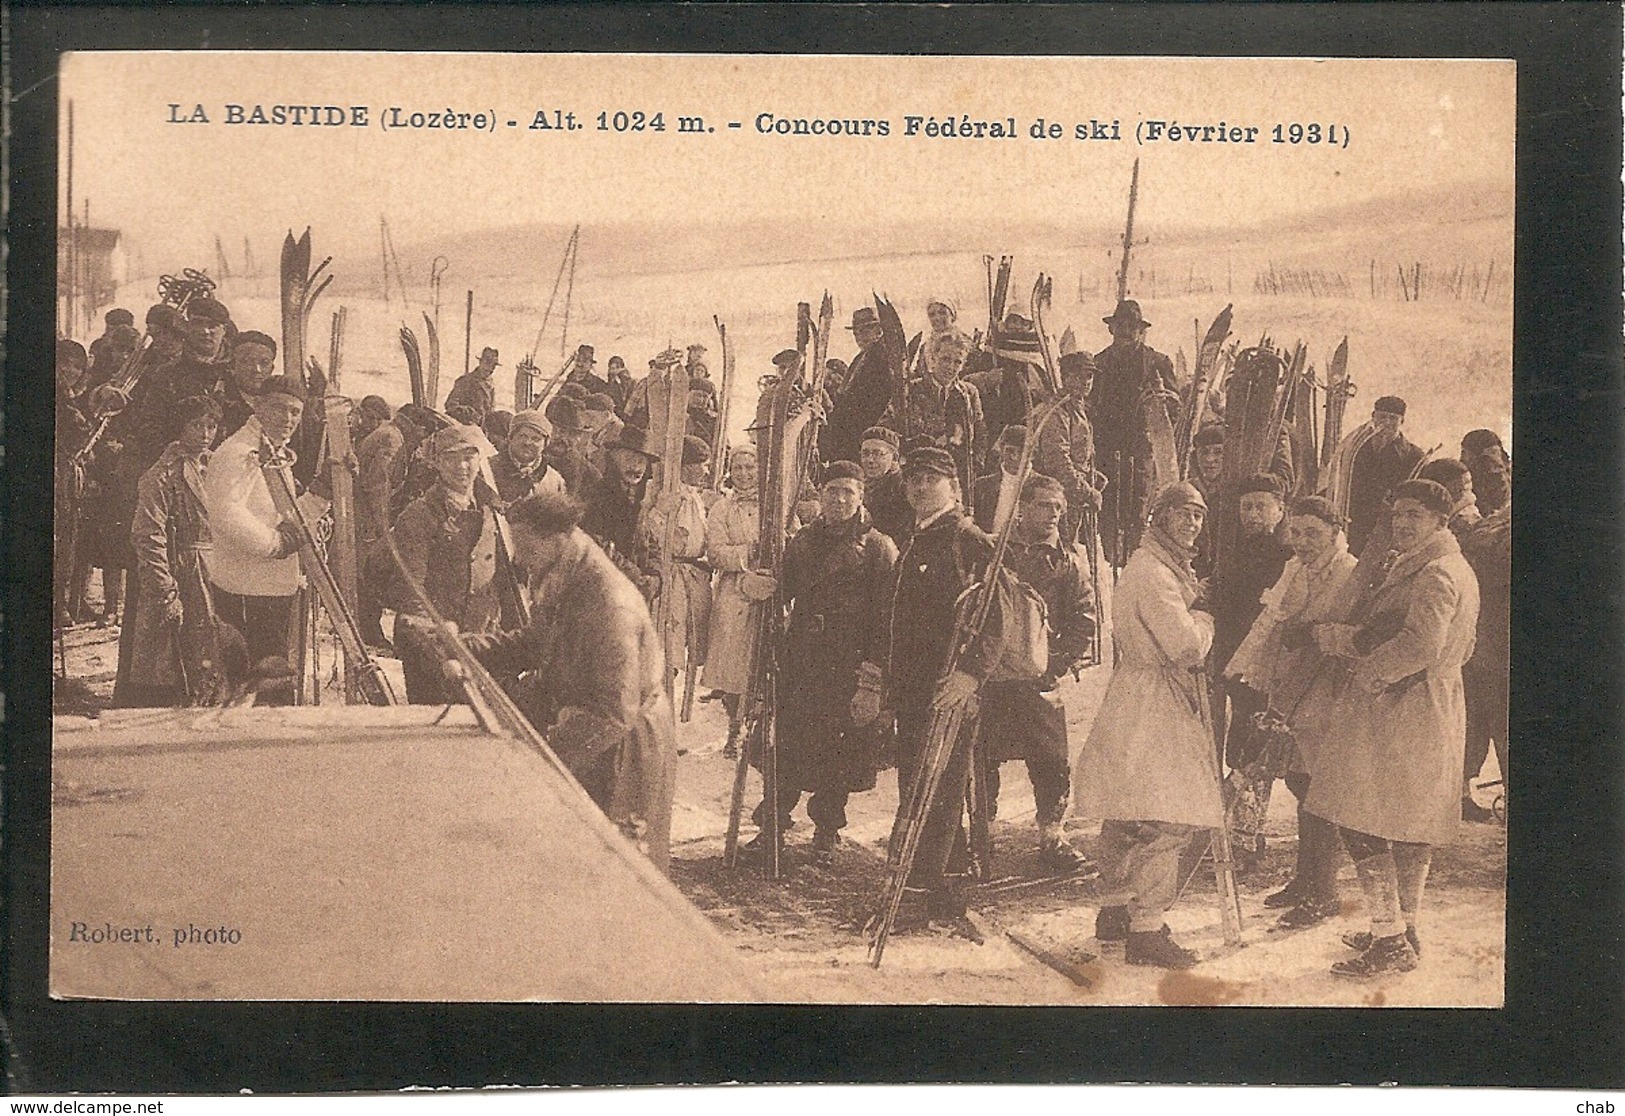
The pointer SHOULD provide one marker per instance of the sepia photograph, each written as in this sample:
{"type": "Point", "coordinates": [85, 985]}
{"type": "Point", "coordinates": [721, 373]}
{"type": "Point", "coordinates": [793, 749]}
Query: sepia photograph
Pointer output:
{"type": "Point", "coordinates": [698, 528]}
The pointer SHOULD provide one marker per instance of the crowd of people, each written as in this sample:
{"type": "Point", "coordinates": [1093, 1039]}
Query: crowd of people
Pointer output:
{"type": "Point", "coordinates": [1367, 631]}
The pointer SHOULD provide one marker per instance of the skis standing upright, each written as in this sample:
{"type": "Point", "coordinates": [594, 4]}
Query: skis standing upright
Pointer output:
{"type": "Point", "coordinates": [1339, 390]}
{"type": "Point", "coordinates": [301, 286]}
{"type": "Point", "coordinates": [524, 382]}
{"type": "Point", "coordinates": [1207, 359]}
{"type": "Point", "coordinates": [342, 546]}
{"type": "Point", "coordinates": [719, 441]}
{"type": "Point", "coordinates": [668, 418]}
{"type": "Point", "coordinates": [431, 379]}
{"type": "Point", "coordinates": [1250, 402]}
{"type": "Point", "coordinates": [414, 368]}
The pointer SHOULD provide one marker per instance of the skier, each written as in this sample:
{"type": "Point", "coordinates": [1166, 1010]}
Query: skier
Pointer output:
{"type": "Point", "coordinates": [170, 527]}
{"type": "Point", "coordinates": [867, 394]}
{"type": "Point", "coordinates": [1279, 659]}
{"type": "Point", "coordinates": [1024, 719]}
{"type": "Point", "coordinates": [595, 671]}
{"type": "Point", "coordinates": [1483, 454]}
{"type": "Point", "coordinates": [1066, 447]}
{"type": "Point", "coordinates": [1125, 370]}
{"type": "Point", "coordinates": [837, 574]}
{"type": "Point", "coordinates": [614, 505]}
{"type": "Point", "coordinates": [1388, 776]}
{"type": "Point", "coordinates": [686, 638]}
{"type": "Point", "coordinates": [998, 494]}
{"type": "Point", "coordinates": [934, 570]}
{"type": "Point", "coordinates": [732, 534]}
{"type": "Point", "coordinates": [474, 389]}
{"type": "Point", "coordinates": [254, 566]}
{"type": "Point", "coordinates": [521, 468]}
{"type": "Point", "coordinates": [253, 360]}
{"type": "Point", "coordinates": [448, 541]}
{"type": "Point", "coordinates": [1148, 766]}
{"type": "Point", "coordinates": [1386, 460]}
{"type": "Point", "coordinates": [881, 461]}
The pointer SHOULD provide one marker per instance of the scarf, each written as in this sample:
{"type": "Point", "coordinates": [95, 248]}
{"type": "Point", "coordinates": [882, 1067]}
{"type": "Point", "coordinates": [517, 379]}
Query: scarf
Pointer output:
{"type": "Point", "coordinates": [1173, 554]}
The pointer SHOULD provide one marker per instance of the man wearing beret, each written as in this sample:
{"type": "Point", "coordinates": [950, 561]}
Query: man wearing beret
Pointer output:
{"type": "Point", "coordinates": [1127, 371]}
{"type": "Point", "coordinates": [448, 541]}
{"type": "Point", "coordinates": [253, 359]}
{"type": "Point", "coordinates": [881, 460]}
{"type": "Point", "coordinates": [112, 321]}
{"type": "Point", "coordinates": [474, 389]}
{"type": "Point", "coordinates": [1389, 773]}
{"type": "Point", "coordinates": [942, 558]}
{"type": "Point", "coordinates": [837, 578]}
{"type": "Point", "coordinates": [1386, 460]}
{"type": "Point", "coordinates": [254, 566]}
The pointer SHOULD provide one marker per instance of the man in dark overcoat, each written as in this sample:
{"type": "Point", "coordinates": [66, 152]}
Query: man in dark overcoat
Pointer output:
{"type": "Point", "coordinates": [1126, 371]}
{"type": "Point", "coordinates": [867, 394]}
{"type": "Point", "coordinates": [881, 459]}
{"type": "Point", "coordinates": [837, 575]}
{"type": "Point", "coordinates": [1385, 461]}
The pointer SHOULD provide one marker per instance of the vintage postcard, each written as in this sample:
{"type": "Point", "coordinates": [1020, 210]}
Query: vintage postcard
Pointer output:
{"type": "Point", "coordinates": [662, 528]}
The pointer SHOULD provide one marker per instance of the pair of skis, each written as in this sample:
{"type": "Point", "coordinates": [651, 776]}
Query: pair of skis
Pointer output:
{"type": "Point", "coordinates": [948, 726]}
{"type": "Point", "coordinates": [425, 382]}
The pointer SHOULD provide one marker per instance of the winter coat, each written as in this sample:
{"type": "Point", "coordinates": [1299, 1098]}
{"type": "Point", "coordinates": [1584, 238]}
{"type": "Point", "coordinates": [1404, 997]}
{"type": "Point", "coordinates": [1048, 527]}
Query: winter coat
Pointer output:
{"type": "Point", "coordinates": [597, 690]}
{"type": "Point", "coordinates": [475, 391]}
{"type": "Point", "coordinates": [514, 484]}
{"type": "Point", "coordinates": [613, 517]}
{"type": "Point", "coordinates": [452, 555]}
{"type": "Point", "coordinates": [890, 513]}
{"type": "Point", "coordinates": [1066, 452]}
{"type": "Point", "coordinates": [169, 520]}
{"type": "Point", "coordinates": [1488, 548]}
{"type": "Point", "coordinates": [867, 394]}
{"type": "Point", "coordinates": [942, 559]}
{"type": "Point", "coordinates": [1279, 657]}
{"type": "Point", "coordinates": [1377, 469]}
{"type": "Point", "coordinates": [836, 580]}
{"type": "Point", "coordinates": [1150, 755]}
{"type": "Point", "coordinates": [948, 416]}
{"type": "Point", "coordinates": [731, 537]}
{"type": "Point", "coordinates": [1391, 762]}
{"type": "Point", "coordinates": [686, 638]}
{"type": "Point", "coordinates": [244, 521]}
{"type": "Point", "coordinates": [986, 499]}
{"type": "Point", "coordinates": [1123, 373]}
{"type": "Point", "coordinates": [1252, 567]}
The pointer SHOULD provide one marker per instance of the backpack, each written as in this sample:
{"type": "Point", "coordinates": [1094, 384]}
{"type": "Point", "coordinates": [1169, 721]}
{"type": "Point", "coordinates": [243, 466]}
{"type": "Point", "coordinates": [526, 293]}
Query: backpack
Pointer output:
{"type": "Point", "coordinates": [1023, 623]}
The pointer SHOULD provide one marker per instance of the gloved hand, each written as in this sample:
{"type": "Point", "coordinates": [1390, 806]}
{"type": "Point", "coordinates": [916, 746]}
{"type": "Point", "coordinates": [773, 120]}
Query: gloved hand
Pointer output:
{"type": "Point", "coordinates": [287, 540]}
{"type": "Point", "coordinates": [957, 691]}
{"type": "Point", "coordinates": [173, 611]}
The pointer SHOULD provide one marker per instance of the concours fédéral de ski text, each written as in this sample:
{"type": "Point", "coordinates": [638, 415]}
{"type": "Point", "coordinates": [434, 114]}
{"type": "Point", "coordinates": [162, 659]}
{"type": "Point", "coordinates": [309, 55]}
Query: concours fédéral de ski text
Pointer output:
{"type": "Point", "coordinates": [558, 123]}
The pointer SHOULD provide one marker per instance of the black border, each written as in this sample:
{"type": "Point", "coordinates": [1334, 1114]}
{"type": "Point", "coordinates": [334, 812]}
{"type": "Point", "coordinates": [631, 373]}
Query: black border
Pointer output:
{"type": "Point", "coordinates": [1565, 1020]}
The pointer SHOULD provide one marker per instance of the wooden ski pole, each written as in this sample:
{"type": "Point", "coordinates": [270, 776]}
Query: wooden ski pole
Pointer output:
{"type": "Point", "coordinates": [468, 335]}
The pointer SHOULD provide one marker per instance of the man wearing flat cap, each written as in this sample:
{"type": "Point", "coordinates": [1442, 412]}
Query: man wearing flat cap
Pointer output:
{"type": "Point", "coordinates": [880, 458]}
{"type": "Point", "coordinates": [943, 556]}
{"type": "Point", "coordinates": [521, 467]}
{"type": "Point", "coordinates": [448, 540]}
{"type": "Point", "coordinates": [867, 395]}
{"type": "Point", "coordinates": [1128, 373]}
{"type": "Point", "coordinates": [254, 565]}
{"type": "Point", "coordinates": [1389, 772]}
{"type": "Point", "coordinates": [1388, 459]}
{"type": "Point", "coordinates": [1066, 447]}
{"type": "Point", "coordinates": [112, 321]}
{"type": "Point", "coordinates": [474, 389]}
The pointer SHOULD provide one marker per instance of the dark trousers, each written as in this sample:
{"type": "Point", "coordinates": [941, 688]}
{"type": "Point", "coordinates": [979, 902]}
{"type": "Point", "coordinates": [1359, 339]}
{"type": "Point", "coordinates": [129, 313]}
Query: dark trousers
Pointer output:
{"type": "Point", "coordinates": [1487, 713]}
{"type": "Point", "coordinates": [1319, 846]}
{"type": "Point", "coordinates": [826, 807]}
{"type": "Point", "coordinates": [265, 626]}
{"type": "Point", "coordinates": [941, 849]}
{"type": "Point", "coordinates": [1020, 720]}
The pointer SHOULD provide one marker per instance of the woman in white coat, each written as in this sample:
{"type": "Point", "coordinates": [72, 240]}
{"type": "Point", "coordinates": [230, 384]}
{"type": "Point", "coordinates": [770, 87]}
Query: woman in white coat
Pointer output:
{"type": "Point", "coordinates": [731, 539]}
{"type": "Point", "coordinates": [1149, 767]}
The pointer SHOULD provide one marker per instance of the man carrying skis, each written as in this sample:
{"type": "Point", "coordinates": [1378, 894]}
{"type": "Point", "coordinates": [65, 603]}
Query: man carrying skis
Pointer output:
{"type": "Point", "coordinates": [1126, 370]}
{"type": "Point", "coordinates": [938, 565]}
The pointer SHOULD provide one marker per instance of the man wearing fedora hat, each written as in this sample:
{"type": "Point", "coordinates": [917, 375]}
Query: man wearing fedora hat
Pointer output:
{"type": "Point", "coordinates": [614, 501]}
{"type": "Point", "coordinates": [581, 372]}
{"type": "Point", "coordinates": [474, 389]}
{"type": "Point", "coordinates": [1126, 372]}
{"type": "Point", "coordinates": [867, 394]}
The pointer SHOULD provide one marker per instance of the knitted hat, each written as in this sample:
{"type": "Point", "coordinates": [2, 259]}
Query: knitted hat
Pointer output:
{"type": "Point", "coordinates": [882, 434]}
{"type": "Point", "coordinates": [1319, 507]}
{"type": "Point", "coordinates": [283, 385]}
{"type": "Point", "coordinates": [209, 310]}
{"type": "Point", "coordinates": [533, 420]}
{"type": "Point", "coordinates": [1211, 434]}
{"type": "Point", "coordinates": [254, 337]}
{"type": "Point", "coordinates": [843, 470]}
{"type": "Point", "coordinates": [929, 459]}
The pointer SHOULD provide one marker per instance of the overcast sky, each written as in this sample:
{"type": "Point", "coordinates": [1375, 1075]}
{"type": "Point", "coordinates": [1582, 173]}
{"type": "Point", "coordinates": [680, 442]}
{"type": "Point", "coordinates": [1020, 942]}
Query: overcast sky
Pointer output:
{"type": "Point", "coordinates": [1410, 125]}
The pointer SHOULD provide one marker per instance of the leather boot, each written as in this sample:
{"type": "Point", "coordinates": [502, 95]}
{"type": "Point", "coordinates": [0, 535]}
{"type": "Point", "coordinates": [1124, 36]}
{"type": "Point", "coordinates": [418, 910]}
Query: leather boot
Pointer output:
{"type": "Point", "coordinates": [1157, 947]}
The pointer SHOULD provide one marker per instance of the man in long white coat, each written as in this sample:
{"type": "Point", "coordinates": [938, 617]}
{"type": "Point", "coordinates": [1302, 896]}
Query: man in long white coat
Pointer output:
{"type": "Point", "coordinates": [1389, 773]}
{"type": "Point", "coordinates": [1148, 767]}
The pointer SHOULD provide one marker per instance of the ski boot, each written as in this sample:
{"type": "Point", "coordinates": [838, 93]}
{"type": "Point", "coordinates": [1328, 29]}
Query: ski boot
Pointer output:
{"type": "Point", "coordinates": [1360, 940]}
{"type": "Point", "coordinates": [1385, 955]}
{"type": "Point", "coordinates": [1157, 947]}
{"type": "Point", "coordinates": [1111, 924]}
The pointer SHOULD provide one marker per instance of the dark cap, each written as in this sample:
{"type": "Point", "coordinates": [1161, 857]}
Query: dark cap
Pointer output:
{"type": "Point", "coordinates": [881, 434]}
{"type": "Point", "coordinates": [1181, 495]}
{"type": "Point", "coordinates": [196, 407]}
{"type": "Point", "coordinates": [1390, 405]}
{"type": "Point", "coordinates": [254, 337]}
{"type": "Point", "coordinates": [71, 352]}
{"type": "Point", "coordinates": [119, 317]}
{"type": "Point", "coordinates": [598, 401]}
{"type": "Point", "coordinates": [929, 459]}
{"type": "Point", "coordinates": [1263, 482]}
{"type": "Point", "coordinates": [374, 405]}
{"type": "Point", "coordinates": [1477, 441]}
{"type": "Point", "coordinates": [1446, 470]}
{"type": "Point", "coordinates": [616, 362]}
{"type": "Point", "coordinates": [566, 413]}
{"type": "Point", "coordinates": [207, 309]}
{"type": "Point", "coordinates": [843, 470]}
{"type": "Point", "coordinates": [786, 358]}
{"type": "Point", "coordinates": [695, 450]}
{"type": "Point", "coordinates": [634, 439]}
{"type": "Point", "coordinates": [163, 316]}
{"type": "Point", "coordinates": [1072, 363]}
{"type": "Point", "coordinates": [1432, 495]}
{"type": "Point", "coordinates": [1319, 507]}
{"type": "Point", "coordinates": [573, 391]}
{"type": "Point", "coordinates": [283, 385]}
{"type": "Point", "coordinates": [1210, 435]}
